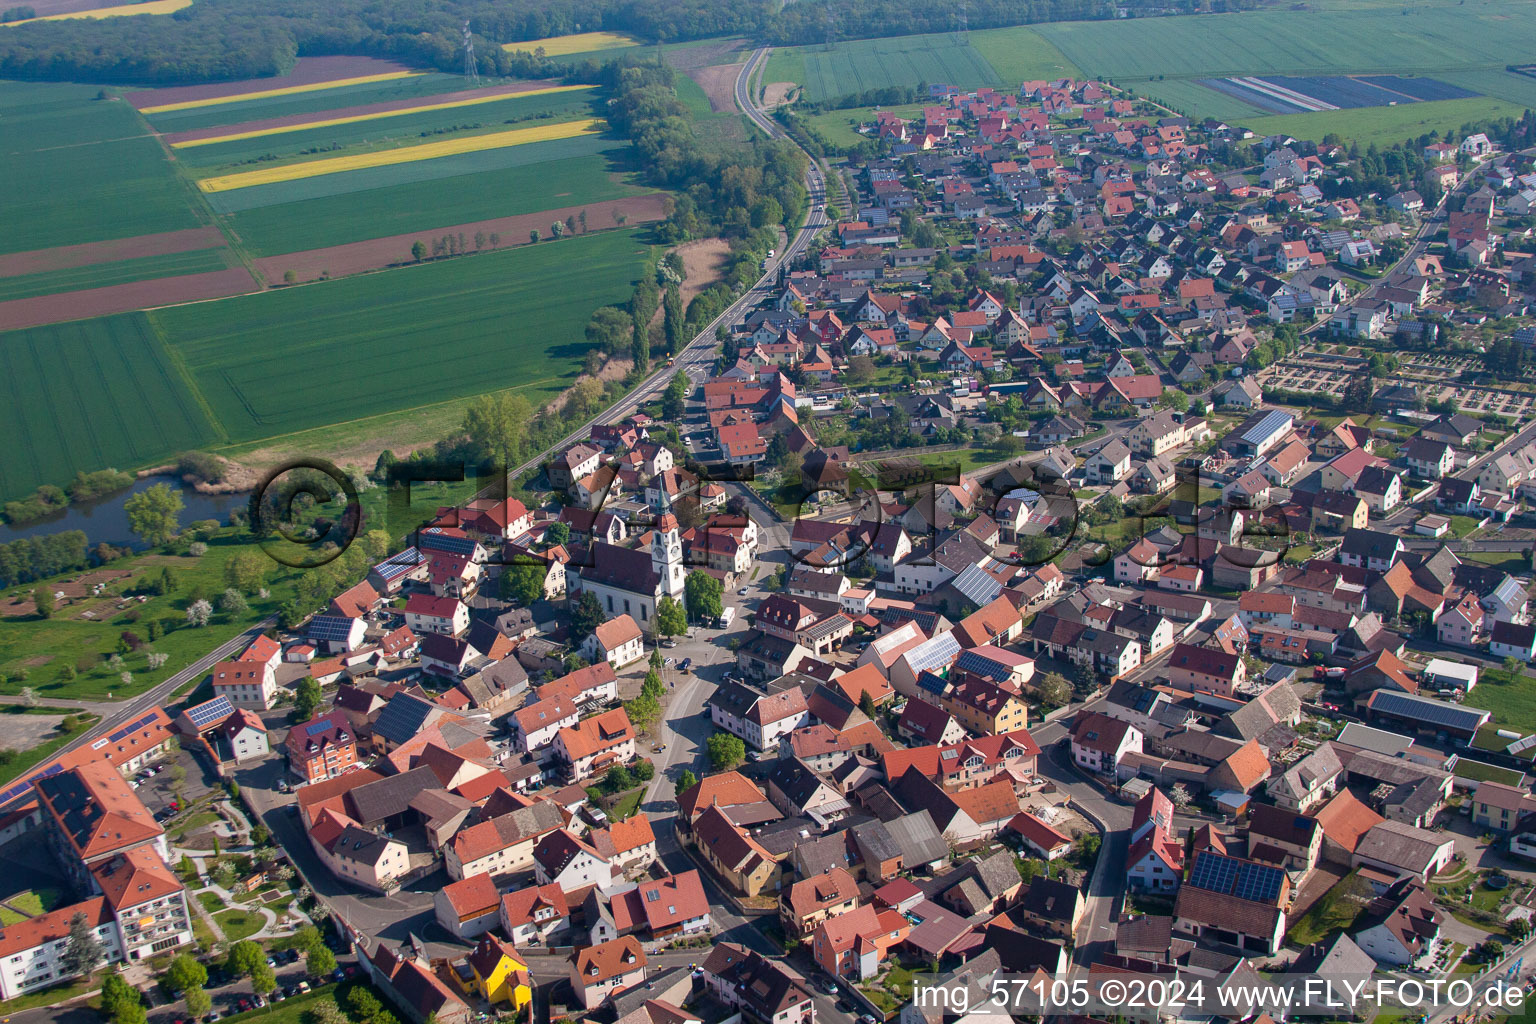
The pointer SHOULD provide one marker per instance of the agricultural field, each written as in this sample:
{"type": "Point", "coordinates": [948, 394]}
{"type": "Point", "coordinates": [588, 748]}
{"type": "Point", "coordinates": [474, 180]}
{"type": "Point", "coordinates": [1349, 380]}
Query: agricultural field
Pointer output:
{"type": "Point", "coordinates": [310, 74]}
{"type": "Point", "coordinates": [115, 183]}
{"type": "Point", "coordinates": [1022, 54]}
{"type": "Point", "coordinates": [862, 64]}
{"type": "Point", "coordinates": [581, 43]}
{"type": "Point", "coordinates": [91, 394]}
{"type": "Point", "coordinates": [1190, 97]}
{"type": "Point", "coordinates": [271, 220]}
{"type": "Point", "coordinates": [1384, 125]}
{"type": "Point", "coordinates": [326, 353]}
{"type": "Point", "coordinates": [423, 88]}
{"type": "Point", "coordinates": [198, 261]}
{"type": "Point", "coordinates": [384, 124]}
{"type": "Point", "coordinates": [841, 126]}
{"type": "Point", "coordinates": [121, 10]}
{"type": "Point", "coordinates": [403, 155]}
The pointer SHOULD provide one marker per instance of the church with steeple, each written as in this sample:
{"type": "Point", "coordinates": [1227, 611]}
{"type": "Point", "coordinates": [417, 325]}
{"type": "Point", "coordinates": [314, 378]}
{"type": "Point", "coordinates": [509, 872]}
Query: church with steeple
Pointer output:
{"type": "Point", "coordinates": [630, 580]}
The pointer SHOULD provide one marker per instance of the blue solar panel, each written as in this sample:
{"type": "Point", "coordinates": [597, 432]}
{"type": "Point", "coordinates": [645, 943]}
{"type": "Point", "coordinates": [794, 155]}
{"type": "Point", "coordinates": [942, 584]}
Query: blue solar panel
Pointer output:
{"type": "Point", "coordinates": [398, 565]}
{"type": "Point", "coordinates": [135, 727]}
{"type": "Point", "coordinates": [937, 652]}
{"type": "Point", "coordinates": [932, 683]}
{"type": "Point", "coordinates": [434, 539]}
{"type": "Point", "coordinates": [208, 712]}
{"type": "Point", "coordinates": [318, 727]}
{"type": "Point", "coordinates": [330, 627]}
{"type": "Point", "coordinates": [1245, 880]}
{"type": "Point", "coordinates": [1426, 710]}
{"type": "Point", "coordinates": [982, 665]}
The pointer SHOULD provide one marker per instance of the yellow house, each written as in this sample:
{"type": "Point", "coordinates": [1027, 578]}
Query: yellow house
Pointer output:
{"type": "Point", "coordinates": [498, 974]}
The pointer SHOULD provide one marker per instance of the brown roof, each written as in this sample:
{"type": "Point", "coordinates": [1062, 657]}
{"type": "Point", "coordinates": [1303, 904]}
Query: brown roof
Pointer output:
{"type": "Point", "coordinates": [818, 892]}
{"type": "Point", "coordinates": [1345, 819]}
{"type": "Point", "coordinates": [1248, 764]}
{"type": "Point", "coordinates": [672, 900]}
{"type": "Point", "coordinates": [724, 790]}
{"type": "Point", "coordinates": [134, 878]}
{"type": "Point", "coordinates": [601, 732]}
{"type": "Point", "coordinates": [612, 959]}
{"type": "Point", "coordinates": [97, 809]}
{"type": "Point", "coordinates": [472, 896]}
{"type": "Point", "coordinates": [615, 633]}
{"type": "Point", "coordinates": [995, 801]}
{"type": "Point", "coordinates": [518, 907]}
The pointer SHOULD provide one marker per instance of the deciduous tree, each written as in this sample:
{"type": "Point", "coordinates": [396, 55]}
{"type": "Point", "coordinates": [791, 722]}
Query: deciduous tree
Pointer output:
{"type": "Point", "coordinates": [154, 514]}
{"type": "Point", "coordinates": [725, 751]}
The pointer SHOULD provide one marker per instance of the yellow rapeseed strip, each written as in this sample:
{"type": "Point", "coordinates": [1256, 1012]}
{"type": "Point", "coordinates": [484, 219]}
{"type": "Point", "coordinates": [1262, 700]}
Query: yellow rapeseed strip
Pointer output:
{"type": "Point", "coordinates": [404, 155]}
{"type": "Point", "coordinates": [582, 42]}
{"type": "Point", "coordinates": [153, 7]}
{"type": "Point", "coordinates": [333, 121]}
{"type": "Point", "coordinates": [212, 101]}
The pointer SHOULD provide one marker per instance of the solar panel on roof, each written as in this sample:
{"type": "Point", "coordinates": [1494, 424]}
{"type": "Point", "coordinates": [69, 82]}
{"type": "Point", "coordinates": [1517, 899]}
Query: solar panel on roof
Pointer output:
{"type": "Point", "coordinates": [981, 665]}
{"type": "Point", "coordinates": [330, 627]}
{"type": "Point", "coordinates": [317, 727]}
{"type": "Point", "coordinates": [941, 650]}
{"type": "Point", "coordinates": [136, 726]}
{"type": "Point", "coordinates": [433, 539]}
{"type": "Point", "coordinates": [207, 713]}
{"type": "Point", "coordinates": [1422, 709]}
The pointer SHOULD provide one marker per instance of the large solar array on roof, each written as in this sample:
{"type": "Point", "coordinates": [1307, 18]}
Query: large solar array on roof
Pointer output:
{"type": "Point", "coordinates": [330, 627]}
{"type": "Point", "coordinates": [1258, 883]}
{"type": "Point", "coordinates": [1423, 709]}
{"type": "Point", "coordinates": [934, 653]}
{"type": "Point", "coordinates": [400, 564]}
{"type": "Point", "coordinates": [1268, 424]}
{"type": "Point", "coordinates": [982, 665]}
{"type": "Point", "coordinates": [930, 682]}
{"type": "Point", "coordinates": [208, 712]}
{"type": "Point", "coordinates": [977, 584]}
{"type": "Point", "coordinates": [436, 540]}
{"type": "Point", "coordinates": [125, 730]}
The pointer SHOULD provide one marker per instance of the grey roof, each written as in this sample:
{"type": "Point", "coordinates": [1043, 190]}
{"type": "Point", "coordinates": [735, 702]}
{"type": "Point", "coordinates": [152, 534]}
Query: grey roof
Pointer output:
{"type": "Point", "coordinates": [875, 837]}
{"type": "Point", "coordinates": [816, 856]}
{"type": "Point", "coordinates": [391, 795]}
{"type": "Point", "coordinates": [920, 841]}
{"type": "Point", "coordinates": [795, 780]}
{"type": "Point", "coordinates": [1050, 899]}
{"type": "Point", "coordinates": [996, 874]}
{"type": "Point", "coordinates": [1415, 798]}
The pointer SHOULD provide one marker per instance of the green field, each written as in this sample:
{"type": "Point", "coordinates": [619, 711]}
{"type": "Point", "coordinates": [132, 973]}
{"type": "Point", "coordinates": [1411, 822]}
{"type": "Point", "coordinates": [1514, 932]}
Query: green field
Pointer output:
{"type": "Point", "coordinates": [1189, 97]}
{"type": "Point", "coordinates": [325, 353]}
{"type": "Point", "coordinates": [78, 169]}
{"type": "Point", "coordinates": [100, 275]}
{"type": "Point", "coordinates": [387, 132]}
{"type": "Point", "coordinates": [1022, 54]}
{"type": "Point", "coordinates": [581, 170]}
{"type": "Point", "coordinates": [306, 102]}
{"type": "Point", "coordinates": [841, 126]}
{"type": "Point", "coordinates": [1510, 698]}
{"type": "Point", "coordinates": [862, 64]}
{"type": "Point", "coordinates": [1384, 125]}
{"type": "Point", "coordinates": [90, 394]}
{"type": "Point", "coordinates": [1399, 39]}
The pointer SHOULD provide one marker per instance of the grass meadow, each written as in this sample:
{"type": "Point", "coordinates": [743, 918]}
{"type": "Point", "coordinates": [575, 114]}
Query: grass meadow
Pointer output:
{"type": "Point", "coordinates": [91, 394]}
{"type": "Point", "coordinates": [305, 357]}
{"type": "Point", "coordinates": [80, 169]}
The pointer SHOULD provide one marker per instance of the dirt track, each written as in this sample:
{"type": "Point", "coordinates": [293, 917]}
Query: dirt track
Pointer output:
{"type": "Point", "coordinates": [372, 108]}
{"type": "Point", "coordinates": [123, 298]}
{"type": "Point", "coordinates": [306, 71]}
{"type": "Point", "coordinates": [38, 261]}
{"type": "Point", "coordinates": [378, 253]}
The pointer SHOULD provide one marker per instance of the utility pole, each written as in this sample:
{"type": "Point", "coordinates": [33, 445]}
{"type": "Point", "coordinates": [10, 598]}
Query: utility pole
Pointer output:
{"type": "Point", "coordinates": [471, 66]}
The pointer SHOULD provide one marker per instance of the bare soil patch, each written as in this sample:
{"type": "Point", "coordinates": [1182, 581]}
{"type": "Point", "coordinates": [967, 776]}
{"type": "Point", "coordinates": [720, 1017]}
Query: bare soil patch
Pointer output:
{"type": "Point", "coordinates": [123, 298]}
{"type": "Point", "coordinates": [691, 58]}
{"type": "Point", "coordinates": [306, 71]}
{"type": "Point", "coordinates": [703, 261]}
{"type": "Point", "coordinates": [719, 84]}
{"type": "Point", "coordinates": [779, 93]}
{"type": "Point", "coordinates": [65, 257]}
{"type": "Point", "coordinates": [23, 732]}
{"type": "Point", "coordinates": [378, 253]}
{"type": "Point", "coordinates": [370, 108]}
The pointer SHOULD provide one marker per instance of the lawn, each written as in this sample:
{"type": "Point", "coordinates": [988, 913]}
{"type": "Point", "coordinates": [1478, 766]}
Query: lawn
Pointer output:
{"type": "Point", "coordinates": [211, 901]}
{"type": "Point", "coordinates": [114, 183]}
{"type": "Point", "coordinates": [859, 65]}
{"type": "Point", "coordinates": [840, 127]}
{"type": "Point", "coordinates": [1187, 95]}
{"type": "Point", "coordinates": [239, 924]}
{"type": "Point", "coordinates": [1511, 699]}
{"type": "Point", "coordinates": [461, 327]}
{"type": "Point", "coordinates": [101, 275]}
{"type": "Point", "coordinates": [383, 132]}
{"type": "Point", "coordinates": [51, 996]}
{"type": "Point", "coordinates": [316, 212]}
{"type": "Point", "coordinates": [35, 901]}
{"type": "Point", "coordinates": [1334, 911]}
{"type": "Point", "coordinates": [87, 395]}
{"type": "Point", "coordinates": [627, 805]}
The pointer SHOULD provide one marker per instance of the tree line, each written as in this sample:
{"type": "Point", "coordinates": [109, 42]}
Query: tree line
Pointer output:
{"type": "Point", "coordinates": [218, 40]}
